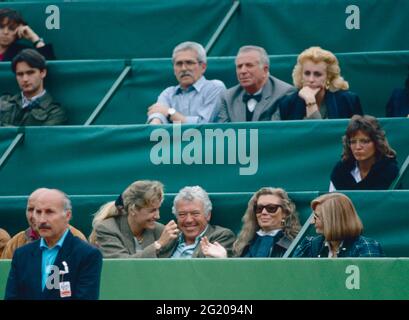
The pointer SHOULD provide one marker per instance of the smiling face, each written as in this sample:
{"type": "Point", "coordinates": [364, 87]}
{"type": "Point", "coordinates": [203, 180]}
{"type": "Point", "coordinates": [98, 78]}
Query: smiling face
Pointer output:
{"type": "Point", "coordinates": [362, 147]}
{"type": "Point", "coordinates": [269, 212]}
{"type": "Point", "coordinates": [187, 67]}
{"type": "Point", "coordinates": [191, 218]}
{"type": "Point", "coordinates": [251, 74]}
{"type": "Point", "coordinates": [30, 80]}
{"type": "Point", "coordinates": [145, 218]}
{"type": "Point", "coordinates": [314, 75]}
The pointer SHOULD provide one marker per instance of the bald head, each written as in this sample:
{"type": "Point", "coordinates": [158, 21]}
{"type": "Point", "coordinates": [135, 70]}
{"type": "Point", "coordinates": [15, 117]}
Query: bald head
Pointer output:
{"type": "Point", "coordinates": [31, 204]}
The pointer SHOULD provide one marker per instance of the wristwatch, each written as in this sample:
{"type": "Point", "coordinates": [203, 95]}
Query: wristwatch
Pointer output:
{"type": "Point", "coordinates": [171, 112]}
{"type": "Point", "coordinates": [157, 245]}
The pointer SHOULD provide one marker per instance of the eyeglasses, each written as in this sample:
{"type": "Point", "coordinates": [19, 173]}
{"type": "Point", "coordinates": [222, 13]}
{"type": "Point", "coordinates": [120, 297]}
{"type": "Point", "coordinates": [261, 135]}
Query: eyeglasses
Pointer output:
{"type": "Point", "coordinates": [188, 63]}
{"type": "Point", "coordinates": [270, 208]}
{"type": "Point", "coordinates": [360, 141]}
{"type": "Point", "coordinates": [316, 216]}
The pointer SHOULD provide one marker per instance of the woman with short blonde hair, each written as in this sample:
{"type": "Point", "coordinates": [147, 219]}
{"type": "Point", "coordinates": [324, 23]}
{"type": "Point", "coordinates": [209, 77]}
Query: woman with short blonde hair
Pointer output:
{"type": "Point", "coordinates": [339, 228]}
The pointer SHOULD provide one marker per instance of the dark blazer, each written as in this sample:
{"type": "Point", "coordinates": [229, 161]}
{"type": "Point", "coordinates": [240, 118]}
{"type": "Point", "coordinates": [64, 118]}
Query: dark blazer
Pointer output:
{"type": "Point", "coordinates": [233, 109]}
{"type": "Point", "coordinates": [278, 249]}
{"type": "Point", "coordinates": [380, 177]}
{"type": "Point", "coordinates": [398, 104]}
{"type": "Point", "coordinates": [340, 104]}
{"type": "Point", "coordinates": [47, 51]}
{"type": "Point", "coordinates": [84, 264]}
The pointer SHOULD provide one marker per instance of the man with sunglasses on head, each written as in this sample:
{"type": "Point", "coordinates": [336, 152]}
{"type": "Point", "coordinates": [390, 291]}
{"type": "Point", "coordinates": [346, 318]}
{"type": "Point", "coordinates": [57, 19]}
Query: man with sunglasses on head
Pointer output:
{"type": "Point", "coordinates": [194, 99]}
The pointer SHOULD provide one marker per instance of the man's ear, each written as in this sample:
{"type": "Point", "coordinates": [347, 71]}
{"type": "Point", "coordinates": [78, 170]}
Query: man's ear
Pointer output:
{"type": "Point", "coordinates": [209, 215]}
{"type": "Point", "coordinates": [204, 66]}
{"type": "Point", "coordinates": [68, 215]}
{"type": "Point", "coordinates": [43, 73]}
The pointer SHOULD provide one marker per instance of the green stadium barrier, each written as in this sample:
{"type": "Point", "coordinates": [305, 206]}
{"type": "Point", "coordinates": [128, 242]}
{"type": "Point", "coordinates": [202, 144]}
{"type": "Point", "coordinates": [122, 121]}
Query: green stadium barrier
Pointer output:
{"type": "Point", "coordinates": [140, 29]}
{"type": "Point", "coordinates": [296, 155]}
{"type": "Point", "coordinates": [6, 137]}
{"type": "Point", "coordinates": [383, 213]}
{"type": "Point", "coordinates": [123, 30]}
{"type": "Point", "coordinates": [228, 209]}
{"type": "Point", "coordinates": [283, 27]}
{"type": "Point", "coordinates": [249, 279]}
{"type": "Point", "coordinates": [78, 85]}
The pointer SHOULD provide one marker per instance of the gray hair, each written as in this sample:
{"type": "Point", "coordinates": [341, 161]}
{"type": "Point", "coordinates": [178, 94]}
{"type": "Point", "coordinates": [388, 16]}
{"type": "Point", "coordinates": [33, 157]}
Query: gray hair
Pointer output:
{"type": "Point", "coordinates": [191, 194]}
{"type": "Point", "coordinates": [264, 60]}
{"type": "Point", "coordinates": [67, 206]}
{"type": "Point", "coordinates": [189, 45]}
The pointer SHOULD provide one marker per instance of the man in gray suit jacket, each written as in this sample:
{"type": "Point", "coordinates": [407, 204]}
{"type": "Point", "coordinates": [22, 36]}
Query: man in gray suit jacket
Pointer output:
{"type": "Point", "coordinates": [192, 208]}
{"type": "Point", "coordinates": [254, 97]}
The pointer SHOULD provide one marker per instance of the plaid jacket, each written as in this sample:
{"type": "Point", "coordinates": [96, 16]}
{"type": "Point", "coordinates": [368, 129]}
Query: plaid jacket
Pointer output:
{"type": "Point", "coordinates": [314, 247]}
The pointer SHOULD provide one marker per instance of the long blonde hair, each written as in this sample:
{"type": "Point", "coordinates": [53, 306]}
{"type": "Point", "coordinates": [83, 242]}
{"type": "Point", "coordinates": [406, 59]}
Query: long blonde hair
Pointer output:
{"type": "Point", "coordinates": [291, 225]}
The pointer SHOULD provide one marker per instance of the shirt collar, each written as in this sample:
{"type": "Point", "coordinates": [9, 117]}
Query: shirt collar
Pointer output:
{"type": "Point", "coordinates": [26, 101]}
{"type": "Point", "coordinates": [198, 85]}
{"type": "Point", "coordinates": [43, 244]}
{"type": "Point", "coordinates": [271, 233]}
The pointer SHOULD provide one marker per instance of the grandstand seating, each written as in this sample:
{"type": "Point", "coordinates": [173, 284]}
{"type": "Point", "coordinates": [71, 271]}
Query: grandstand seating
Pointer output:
{"type": "Point", "coordinates": [80, 85]}
{"type": "Point", "coordinates": [93, 164]}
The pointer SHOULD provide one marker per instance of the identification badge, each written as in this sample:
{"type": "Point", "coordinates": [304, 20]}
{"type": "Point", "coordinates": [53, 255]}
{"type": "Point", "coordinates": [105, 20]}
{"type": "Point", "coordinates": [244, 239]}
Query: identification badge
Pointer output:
{"type": "Point", "coordinates": [65, 289]}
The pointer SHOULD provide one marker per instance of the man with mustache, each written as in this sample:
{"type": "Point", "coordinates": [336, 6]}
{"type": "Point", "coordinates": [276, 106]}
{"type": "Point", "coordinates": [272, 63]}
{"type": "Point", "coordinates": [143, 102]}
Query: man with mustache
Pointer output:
{"type": "Point", "coordinates": [195, 98]}
{"type": "Point", "coordinates": [192, 208]}
{"type": "Point", "coordinates": [58, 265]}
{"type": "Point", "coordinates": [34, 106]}
{"type": "Point", "coordinates": [31, 233]}
{"type": "Point", "coordinates": [253, 98]}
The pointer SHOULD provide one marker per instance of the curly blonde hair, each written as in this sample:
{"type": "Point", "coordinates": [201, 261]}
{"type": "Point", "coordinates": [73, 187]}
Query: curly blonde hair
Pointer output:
{"type": "Point", "coordinates": [316, 54]}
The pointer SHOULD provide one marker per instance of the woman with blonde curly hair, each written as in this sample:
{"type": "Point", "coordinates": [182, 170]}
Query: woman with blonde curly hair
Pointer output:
{"type": "Point", "coordinates": [270, 223]}
{"type": "Point", "coordinates": [322, 92]}
{"type": "Point", "coordinates": [368, 162]}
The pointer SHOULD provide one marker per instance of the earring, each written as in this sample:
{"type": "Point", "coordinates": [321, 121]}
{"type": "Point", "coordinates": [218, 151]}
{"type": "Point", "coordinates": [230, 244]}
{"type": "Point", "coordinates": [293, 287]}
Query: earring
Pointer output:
{"type": "Point", "coordinates": [327, 85]}
{"type": "Point", "coordinates": [282, 222]}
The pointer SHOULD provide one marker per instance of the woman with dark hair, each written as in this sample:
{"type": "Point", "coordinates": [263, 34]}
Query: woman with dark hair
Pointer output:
{"type": "Point", "coordinates": [322, 91]}
{"type": "Point", "coordinates": [398, 104]}
{"type": "Point", "coordinates": [339, 228]}
{"type": "Point", "coordinates": [270, 224]}
{"type": "Point", "coordinates": [13, 28]}
{"type": "Point", "coordinates": [368, 162]}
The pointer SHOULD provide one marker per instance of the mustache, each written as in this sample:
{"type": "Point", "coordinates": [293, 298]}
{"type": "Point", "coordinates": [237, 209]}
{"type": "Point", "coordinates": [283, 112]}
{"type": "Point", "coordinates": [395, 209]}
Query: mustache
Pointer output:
{"type": "Point", "coordinates": [44, 226]}
{"type": "Point", "coordinates": [185, 73]}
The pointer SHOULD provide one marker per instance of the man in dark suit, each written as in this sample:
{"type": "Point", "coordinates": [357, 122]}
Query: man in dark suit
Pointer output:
{"type": "Point", "coordinates": [254, 97]}
{"type": "Point", "coordinates": [59, 265]}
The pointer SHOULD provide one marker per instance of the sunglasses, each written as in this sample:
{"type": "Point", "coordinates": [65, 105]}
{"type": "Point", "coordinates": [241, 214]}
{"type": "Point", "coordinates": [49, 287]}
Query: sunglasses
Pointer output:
{"type": "Point", "coordinates": [270, 208]}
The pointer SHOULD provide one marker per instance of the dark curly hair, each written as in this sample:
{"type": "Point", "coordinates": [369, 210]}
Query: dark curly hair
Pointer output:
{"type": "Point", "coordinates": [370, 126]}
